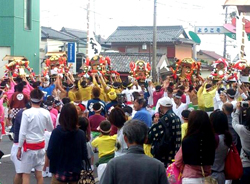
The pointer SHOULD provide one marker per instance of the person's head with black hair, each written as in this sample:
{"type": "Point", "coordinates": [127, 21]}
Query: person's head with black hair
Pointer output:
{"type": "Point", "coordinates": [104, 127]}
{"type": "Point", "coordinates": [97, 107]}
{"type": "Point", "coordinates": [170, 92]}
{"type": "Point", "coordinates": [135, 132]}
{"type": "Point", "coordinates": [65, 101]}
{"type": "Point", "coordinates": [51, 99]}
{"type": "Point", "coordinates": [127, 110]}
{"type": "Point", "coordinates": [231, 94]}
{"type": "Point", "coordinates": [136, 95]}
{"type": "Point", "coordinates": [185, 115]}
{"type": "Point", "coordinates": [36, 84]}
{"type": "Point", "coordinates": [116, 85]}
{"type": "Point", "coordinates": [18, 79]}
{"type": "Point", "coordinates": [68, 118]}
{"type": "Point", "coordinates": [3, 85]}
{"type": "Point", "coordinates": [117, 117]}
{"type": "Point", "coordinates": [19, 87]}
{"type": "Point", "coordinates": [96, 92]}
{"type": "Point", "coordinates": [177, 97]}
{"type": "Point", "coordinates": [181, 88]}
{"type": "Point", "coordinates": [140, 103]}
{"type": "Point", "coordinates": [158, 88]}
{"type": "Point", "coordinates": [220, 125]}
{"type": "Point", "coordinates": [84, 84]}
{"type": "Point", "coordinates": [36, 96]}
{"type": "Point", "coordinates": [76, 84]}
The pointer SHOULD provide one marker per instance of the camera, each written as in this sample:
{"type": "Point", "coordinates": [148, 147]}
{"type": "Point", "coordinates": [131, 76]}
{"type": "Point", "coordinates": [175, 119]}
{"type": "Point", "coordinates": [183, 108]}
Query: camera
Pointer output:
{"type": "Point", "coordinates": [244, 104]}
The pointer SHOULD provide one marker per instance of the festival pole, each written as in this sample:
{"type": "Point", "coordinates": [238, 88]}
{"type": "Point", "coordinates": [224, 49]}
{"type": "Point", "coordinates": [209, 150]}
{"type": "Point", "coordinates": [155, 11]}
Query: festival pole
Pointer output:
{"type": "Point", "coordinates": [154, 74]}
{"type": "Point", "coordinates": [88, 12]}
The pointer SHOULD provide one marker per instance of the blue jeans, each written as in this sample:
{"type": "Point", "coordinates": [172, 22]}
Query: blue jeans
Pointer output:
{"type": "Point", "coordinates": [245, 179]}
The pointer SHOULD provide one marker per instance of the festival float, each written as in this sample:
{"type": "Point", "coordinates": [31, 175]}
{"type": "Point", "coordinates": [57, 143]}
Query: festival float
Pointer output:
{"type": "Point", "coordinates": [140, 70]}
{"type": "Point", "coordinates": [17, 66]}
{"type": "Point", "coordinates": [56, 63]}
{"type": "Point", "coordinates": [98, 64]}
{"type": "Point", "coordinates": [220, 69]}
{"type": "Point", "coordinates": [242, 69]}
{"type": "Point", "coordinates": [188, 69]}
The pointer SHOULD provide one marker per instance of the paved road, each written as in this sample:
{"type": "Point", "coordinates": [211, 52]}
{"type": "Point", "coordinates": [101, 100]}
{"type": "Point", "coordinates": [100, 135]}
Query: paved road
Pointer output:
{"type": "Point", "coordinates": [7, 169]}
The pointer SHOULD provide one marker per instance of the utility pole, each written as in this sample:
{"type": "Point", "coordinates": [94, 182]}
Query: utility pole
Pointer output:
{"type": "Point", "coordinates": [154, 74]}
{"type": "Point", "coordinates": [225, 38]}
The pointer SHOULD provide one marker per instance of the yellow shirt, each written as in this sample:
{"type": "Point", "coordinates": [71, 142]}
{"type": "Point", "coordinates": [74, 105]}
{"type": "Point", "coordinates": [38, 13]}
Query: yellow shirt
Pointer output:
{"type": "Point", "coordinates": [184, 128]}
{"type": "Point", "coordinates": [103, 95]}
{"type": "Point", "coordinates": [200, 98]}
{"type": "Point", "coordinates": [208, 97]}
{"type": "Point", "coordinates": [147, 150]}
{"type": "Point", "coordinates": [85, 93]}
{"type": "Point", "coordinates": [105, 144]}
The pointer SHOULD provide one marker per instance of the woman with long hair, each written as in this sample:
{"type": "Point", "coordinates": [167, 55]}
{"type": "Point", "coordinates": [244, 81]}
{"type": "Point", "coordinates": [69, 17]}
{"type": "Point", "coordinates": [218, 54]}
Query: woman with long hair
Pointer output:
{"type": "Point", "coordinates": [224, 141]}
{"type": "Point", "coordinates": [117, 118]}
{"type": "Point", "coordinates": [67, 148]}
{"type": "Point", "coordinates": [196, 155]}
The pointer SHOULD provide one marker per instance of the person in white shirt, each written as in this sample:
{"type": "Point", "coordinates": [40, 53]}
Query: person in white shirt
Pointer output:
{"type": "Point", "coordinates": [220, 98]}
{"type": "Point", "coordinates": [178, 106]}
{"type": "Point", "coordinates": [31, 138]}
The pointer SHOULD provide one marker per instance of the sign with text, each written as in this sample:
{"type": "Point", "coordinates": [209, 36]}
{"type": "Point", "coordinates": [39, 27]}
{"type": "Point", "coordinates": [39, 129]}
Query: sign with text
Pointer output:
{"type": "Point", "coordinates": [71, 52]}
{"type": "Point", "coordinates": [210, 30]}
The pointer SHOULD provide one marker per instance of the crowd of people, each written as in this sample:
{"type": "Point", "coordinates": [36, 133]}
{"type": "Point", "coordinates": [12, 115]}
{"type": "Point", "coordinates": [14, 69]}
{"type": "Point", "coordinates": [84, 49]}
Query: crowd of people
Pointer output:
{"type": "Point", "coordinates": [138, 128]}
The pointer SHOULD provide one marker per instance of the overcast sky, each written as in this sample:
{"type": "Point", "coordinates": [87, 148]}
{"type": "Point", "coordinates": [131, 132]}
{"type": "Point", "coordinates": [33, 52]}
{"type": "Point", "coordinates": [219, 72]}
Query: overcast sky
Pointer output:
{"type": "Point", "coordinates": [109, 14]}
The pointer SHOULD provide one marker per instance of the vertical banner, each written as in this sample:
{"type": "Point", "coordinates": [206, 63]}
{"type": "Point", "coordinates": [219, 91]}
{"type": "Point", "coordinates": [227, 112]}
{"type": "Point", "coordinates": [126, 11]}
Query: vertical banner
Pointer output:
{"type": "Point", "coordinates": [94, 48]}
{"type": "Point", "coordinates": [72, 56]}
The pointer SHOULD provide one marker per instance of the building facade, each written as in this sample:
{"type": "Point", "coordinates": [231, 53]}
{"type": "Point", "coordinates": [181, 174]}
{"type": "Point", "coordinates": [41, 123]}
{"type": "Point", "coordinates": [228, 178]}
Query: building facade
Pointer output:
{"type": "Point", "coordinates": [20, 30]}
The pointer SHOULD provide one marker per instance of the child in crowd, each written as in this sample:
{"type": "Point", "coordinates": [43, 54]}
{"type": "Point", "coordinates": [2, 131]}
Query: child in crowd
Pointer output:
{"type": "Point", "coordinates": [105, 143]}
{"type": "Point", "coordinates": [96, 119]}
{"type": "Point", "coordinates": [184, 125]}
{"type": "Point", "coordinates": [84, 123]}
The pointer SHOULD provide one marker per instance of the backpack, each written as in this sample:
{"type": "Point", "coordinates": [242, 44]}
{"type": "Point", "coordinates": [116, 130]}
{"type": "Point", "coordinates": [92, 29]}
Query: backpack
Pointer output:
{"type": "Point", "coordinates": [162, 147]}
{"type": "Point", "coordinates": [233, 166]}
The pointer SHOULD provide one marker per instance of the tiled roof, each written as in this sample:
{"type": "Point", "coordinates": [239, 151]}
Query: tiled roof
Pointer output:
{"type": "Point", "coordinates": [211, 54]}
{"type": "Point", "coordinates": [47, 32]}
{"type": "Point", "coordinates": [145, 34]}
{"type": "Point", "coordinates": [75, 32]}
{"type": "Point", "coordinates": [80, 34]}
{"type": "Point", "coordinates": [120, 62]}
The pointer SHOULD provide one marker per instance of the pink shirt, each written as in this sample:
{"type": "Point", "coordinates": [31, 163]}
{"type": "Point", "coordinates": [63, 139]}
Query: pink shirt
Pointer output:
{"type": "Point", "coordinates": [95, 121]}
{"type": "Point", "coordinates": [1, 111]}
{"type": "Point", "coordinates": [157, 96]}
{"type": "Point", "coordinates": [53, 118]}
{"type": "Point", "coordinates": [10, 92]}
{"type": "Point", "coordinates": [54, 111]}
{"type": "Point", "coordinates": [190, 171]}
{"type": "Point", "coordinates": [27, 89]}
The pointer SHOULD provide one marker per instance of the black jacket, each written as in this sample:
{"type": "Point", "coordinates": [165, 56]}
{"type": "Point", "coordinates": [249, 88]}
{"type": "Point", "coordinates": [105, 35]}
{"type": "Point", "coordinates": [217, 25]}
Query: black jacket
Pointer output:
{"type": "Point", "coordinates": [67, 150]}
{"type": "Point", "coordinates": [198, 150]}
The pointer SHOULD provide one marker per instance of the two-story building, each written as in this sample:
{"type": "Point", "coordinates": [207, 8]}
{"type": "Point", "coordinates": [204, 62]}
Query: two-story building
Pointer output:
{"type": "Point", "coordinates": [136, 42]}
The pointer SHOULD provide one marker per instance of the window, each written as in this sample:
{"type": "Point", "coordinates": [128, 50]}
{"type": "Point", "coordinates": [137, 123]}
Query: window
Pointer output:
{"type": "Point", "coordinates": [27, 14]}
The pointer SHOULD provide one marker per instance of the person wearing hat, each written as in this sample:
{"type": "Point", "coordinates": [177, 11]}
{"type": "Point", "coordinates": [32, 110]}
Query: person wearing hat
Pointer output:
{"type": "Point", "coordinates": [104, 143]}
{"type": "Point", "coordinates": [113, 97]}
{"type": "Point", "coordinates": [170, 126]}
{"type": "Point", "coordinates": [128, 93]}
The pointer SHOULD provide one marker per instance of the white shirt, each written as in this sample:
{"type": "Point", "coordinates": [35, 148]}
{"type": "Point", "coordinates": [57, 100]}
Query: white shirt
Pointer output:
{"type": "Point", "coordinates": [128, 94]}
{"type": "Point", "coordinates": [178, 110]}
{"type": "Point", "coordinates": [33, 125]}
